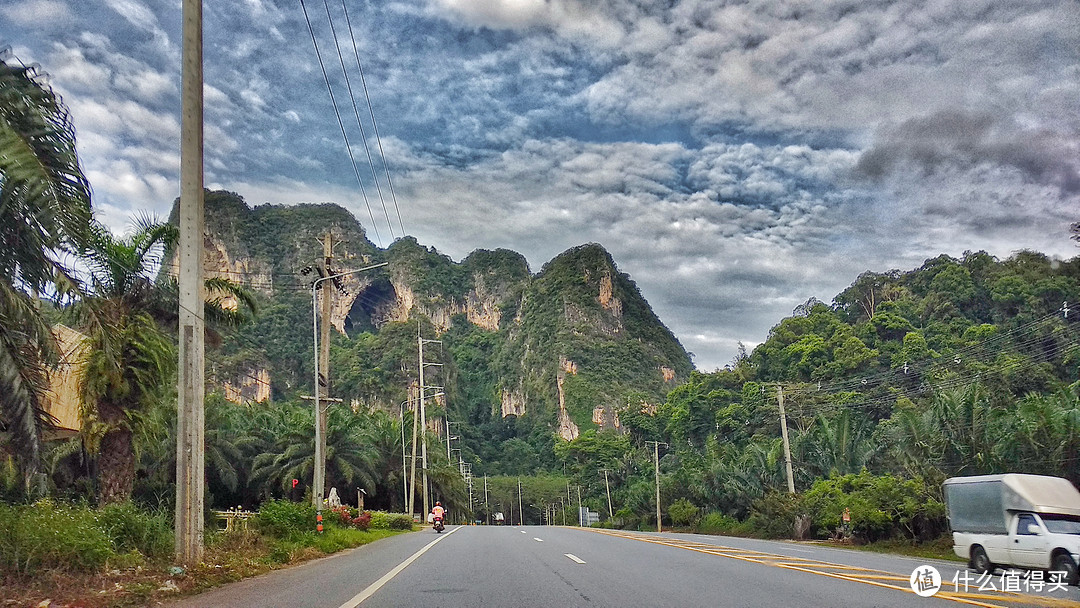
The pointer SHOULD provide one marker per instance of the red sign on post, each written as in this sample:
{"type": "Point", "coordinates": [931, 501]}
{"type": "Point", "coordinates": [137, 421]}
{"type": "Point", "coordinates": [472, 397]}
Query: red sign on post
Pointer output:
{"type": "Point", "coordinates": [846, 517]}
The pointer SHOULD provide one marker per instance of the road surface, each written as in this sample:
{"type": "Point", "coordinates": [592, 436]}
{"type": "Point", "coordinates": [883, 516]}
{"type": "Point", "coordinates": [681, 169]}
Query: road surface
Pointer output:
{"type": "Point", "coordinates": [557, 566]}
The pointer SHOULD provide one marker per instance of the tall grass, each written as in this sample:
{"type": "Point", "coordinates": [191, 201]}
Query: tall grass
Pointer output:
{"type": "Point", "coordinates": [50, 534]}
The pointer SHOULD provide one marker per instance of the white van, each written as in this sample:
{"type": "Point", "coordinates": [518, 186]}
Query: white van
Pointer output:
{"type": "Point", "coordinates": [1026, 521]}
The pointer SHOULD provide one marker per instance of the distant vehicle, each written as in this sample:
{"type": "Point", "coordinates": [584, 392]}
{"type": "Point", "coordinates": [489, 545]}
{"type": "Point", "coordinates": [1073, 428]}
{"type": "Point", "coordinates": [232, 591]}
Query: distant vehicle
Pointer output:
{"type": "Point", "coordinates": [1026, 521]}
{"type": "Point", "coordinates": [499, 519]}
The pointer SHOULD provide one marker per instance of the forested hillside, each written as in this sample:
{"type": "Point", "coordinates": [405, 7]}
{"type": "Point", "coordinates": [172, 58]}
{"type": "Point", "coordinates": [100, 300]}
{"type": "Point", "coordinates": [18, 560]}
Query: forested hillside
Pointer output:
{"type": "Point", "coordinates": [564, 378]}
{"type": "Point", "coordinates": [525, 360]}
{"type": "Point", "coordinates": [962, 366]}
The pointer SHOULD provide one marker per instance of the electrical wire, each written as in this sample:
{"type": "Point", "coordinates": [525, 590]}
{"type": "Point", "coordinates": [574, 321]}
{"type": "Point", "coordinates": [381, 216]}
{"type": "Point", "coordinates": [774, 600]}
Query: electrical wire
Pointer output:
{"type": "Point", "coordinates": [374, 123]}
{"type": "Point", "coordinates": [341, 125]}
{"type": "Point", "coordinates": [917, 368]}
{"type": "Point", "coordinates": [356, 112]}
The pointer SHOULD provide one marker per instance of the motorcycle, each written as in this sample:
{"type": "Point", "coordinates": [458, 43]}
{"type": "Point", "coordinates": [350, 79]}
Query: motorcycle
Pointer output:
{"type": "Point", "coordinates": [438, 525]}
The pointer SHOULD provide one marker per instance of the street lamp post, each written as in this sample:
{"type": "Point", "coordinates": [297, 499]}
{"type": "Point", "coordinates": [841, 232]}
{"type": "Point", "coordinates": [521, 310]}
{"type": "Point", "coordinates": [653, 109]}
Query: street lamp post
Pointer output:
{"type": "Point", "coordinates": [320, 456]}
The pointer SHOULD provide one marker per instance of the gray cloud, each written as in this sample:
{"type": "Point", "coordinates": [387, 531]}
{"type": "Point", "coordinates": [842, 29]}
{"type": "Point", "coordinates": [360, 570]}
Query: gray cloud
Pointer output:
{"type": "Point", "coordinates": [966, 140]}
{"type": "Point", "coordinates": [720, 150]}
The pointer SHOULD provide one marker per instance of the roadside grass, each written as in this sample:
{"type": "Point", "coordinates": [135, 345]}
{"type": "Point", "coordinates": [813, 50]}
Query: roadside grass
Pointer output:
{"type": "Point", "coordinates": [131, 555]}
{"type": "Point", "coordinates": [940, 548]}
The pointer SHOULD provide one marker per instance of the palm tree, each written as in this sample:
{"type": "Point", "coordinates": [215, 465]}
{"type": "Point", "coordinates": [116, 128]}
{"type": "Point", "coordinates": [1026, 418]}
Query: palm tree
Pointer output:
{"type": "Point", "coordinates": [289, 451]}
{"type": "Point", "coordinates": [130, 359]}
{"type": "Point", "coordinates": [131, 355]}
{"type": "Point", "coordinates": [839, 443]}
{"type": "Point", "coordinates": [44, 213]}
{"type": "Point", "coordinates": [284, 448]}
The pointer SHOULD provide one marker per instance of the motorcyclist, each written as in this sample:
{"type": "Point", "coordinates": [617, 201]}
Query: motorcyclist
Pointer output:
{"type": "Point", "coordinates": [438, 511]}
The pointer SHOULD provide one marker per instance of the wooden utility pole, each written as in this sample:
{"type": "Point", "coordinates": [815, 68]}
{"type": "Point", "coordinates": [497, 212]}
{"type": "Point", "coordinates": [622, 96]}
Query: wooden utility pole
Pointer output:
{"type": "Point", "coordinates": [783, 434]}
{"type": "Point", "coordinates": [190, 457]}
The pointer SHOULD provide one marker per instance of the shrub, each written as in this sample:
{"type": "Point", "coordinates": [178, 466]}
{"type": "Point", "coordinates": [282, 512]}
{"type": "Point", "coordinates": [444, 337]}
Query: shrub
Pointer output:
{"type": "Point", "coordinates": [344, 515]}
{"type": "Point", "coordinates": [362, 521]}
{"type": "Point", "coordinates": [381, 520]}
{"type": "Point", "coordinates": [683, 512]}
{"type": "Point", "coordinates": [773, 515]}
{"type": "Point", "coordinates": [626, 519]}
{"type": "Point", "coordinates": [285, 519]}
{"type": "Point", "coordinates": [719, 523]}
{"type": "Point", "coordinates": [131, 529]}
{"type": "Point", "coordinates": [881, 507]}
{"type": "Point", "coordinates": [51, 535]}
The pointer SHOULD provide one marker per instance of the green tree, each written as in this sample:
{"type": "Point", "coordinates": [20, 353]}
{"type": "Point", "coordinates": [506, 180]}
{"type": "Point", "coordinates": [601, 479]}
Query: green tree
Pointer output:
{"type": "Point", "coordinates": [131, 357]}
{"type": "Point", "coordinates": [44, 212]}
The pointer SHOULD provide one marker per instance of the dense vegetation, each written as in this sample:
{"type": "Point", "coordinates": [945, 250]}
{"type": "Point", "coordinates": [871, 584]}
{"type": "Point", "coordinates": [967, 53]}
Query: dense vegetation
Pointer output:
{"type": "Point", "coordinates": [963, 366]}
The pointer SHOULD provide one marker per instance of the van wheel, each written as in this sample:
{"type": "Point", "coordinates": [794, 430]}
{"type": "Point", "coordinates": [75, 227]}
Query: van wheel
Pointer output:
{"type": "Point", "coordinates": [1063, 563]}
{"type": "Point", "coordinates": [981, 562]}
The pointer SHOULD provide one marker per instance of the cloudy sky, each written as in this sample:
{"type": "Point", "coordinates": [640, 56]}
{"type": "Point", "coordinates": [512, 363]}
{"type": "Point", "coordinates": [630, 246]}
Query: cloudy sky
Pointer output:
{"type": "Point", "coordinates": [736, 157]}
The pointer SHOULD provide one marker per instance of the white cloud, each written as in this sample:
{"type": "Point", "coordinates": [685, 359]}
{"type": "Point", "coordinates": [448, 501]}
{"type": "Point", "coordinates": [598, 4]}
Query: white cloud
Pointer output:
{"type": "Point", "coordinates": [711, 146]}
{"type": "Point", "coordinates": [38, 14]}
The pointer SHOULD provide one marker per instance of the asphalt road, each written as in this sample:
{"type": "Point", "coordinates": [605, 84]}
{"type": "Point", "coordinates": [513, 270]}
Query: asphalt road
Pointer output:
{"type": "Point", "coordinates": [556, 566]}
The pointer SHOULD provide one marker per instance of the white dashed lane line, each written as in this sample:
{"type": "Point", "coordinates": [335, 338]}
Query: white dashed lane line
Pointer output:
{"type": "Point", "coordinates": [539, 540]}
{"type": "Point", "coordinates": [574, 558]}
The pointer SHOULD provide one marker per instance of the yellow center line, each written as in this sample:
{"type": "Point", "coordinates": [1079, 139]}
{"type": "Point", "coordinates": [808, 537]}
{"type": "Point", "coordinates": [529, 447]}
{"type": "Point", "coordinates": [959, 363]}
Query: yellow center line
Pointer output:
{"type": "Point", "coordinates": [866, 576]}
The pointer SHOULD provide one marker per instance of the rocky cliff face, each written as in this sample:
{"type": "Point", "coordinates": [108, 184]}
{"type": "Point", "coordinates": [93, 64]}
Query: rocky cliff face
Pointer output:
{"type": "Point", "coordinates": [480, 307]}
{"type": "Point", "coordinates": [562, 347]}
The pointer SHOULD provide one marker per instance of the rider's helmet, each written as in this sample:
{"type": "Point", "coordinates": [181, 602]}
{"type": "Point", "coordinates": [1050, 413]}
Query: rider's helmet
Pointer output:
{"type": "Point", "coordinates": [438, 504]}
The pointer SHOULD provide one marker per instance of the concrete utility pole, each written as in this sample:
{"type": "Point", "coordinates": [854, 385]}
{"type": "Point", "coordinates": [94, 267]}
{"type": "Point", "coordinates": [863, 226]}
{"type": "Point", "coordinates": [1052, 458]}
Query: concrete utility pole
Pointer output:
{"type": "Point", "coordinates": [607, 487]}
{"type": "Point", "coordinates": [322, 368]}
{"type": "Point", "coordinates": [521, 517]}
{"type": "Point", "coordinates": [322, 380]}
{"type": "Point", "coordinates": [404, 473]}
{"type": "Point", "coordinates": [412, 463]}
{"type": "Point", "coordinates": [190, 457]}
{"type": "Point", "coordinates": [656, 456]}
{"type": "Point", "coordinates": [487, 508]}
{"type": "Point", "coordinates": [420, 342]}
{"type": "Point", "coordinates": [580, 514]}
{"type": "Point", "coordinates": [783, 434]}
{"type": "Point", "coordinates": [423, 420]}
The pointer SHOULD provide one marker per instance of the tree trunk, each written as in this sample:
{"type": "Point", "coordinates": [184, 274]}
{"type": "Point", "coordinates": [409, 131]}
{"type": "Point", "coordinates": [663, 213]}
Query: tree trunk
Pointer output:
{"type": "Point", "coordinates": [116, 466]}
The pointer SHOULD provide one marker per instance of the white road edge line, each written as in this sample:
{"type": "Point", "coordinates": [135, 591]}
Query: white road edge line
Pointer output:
{"type": "Point", "coordinates": [539, 540]}
{"type": "Point", "coordinates": [574, 557]}
{"type": "Point", "coordinates": [373, 587]}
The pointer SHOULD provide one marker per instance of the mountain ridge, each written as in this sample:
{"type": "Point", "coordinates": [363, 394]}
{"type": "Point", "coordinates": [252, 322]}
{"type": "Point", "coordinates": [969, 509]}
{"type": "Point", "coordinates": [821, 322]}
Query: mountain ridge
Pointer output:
{"type": "Point", "coordinates": [561, 347]}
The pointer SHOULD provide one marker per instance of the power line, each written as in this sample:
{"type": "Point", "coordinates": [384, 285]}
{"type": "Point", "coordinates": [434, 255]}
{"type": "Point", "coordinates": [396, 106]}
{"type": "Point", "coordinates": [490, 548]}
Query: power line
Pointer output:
{"type": "Point", "coordinates": [341, 125]}
{"type": "Point", "coordinates": [356, 111]}
{"type": "Point", "coordinates": [374, 123]}
{"type": "Point", "coordinates": [920, 366]}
